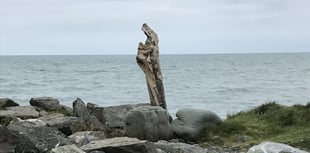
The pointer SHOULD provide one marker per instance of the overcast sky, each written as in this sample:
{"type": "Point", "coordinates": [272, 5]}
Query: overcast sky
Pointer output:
{"type": "Point", "coordinates": [48, 27]}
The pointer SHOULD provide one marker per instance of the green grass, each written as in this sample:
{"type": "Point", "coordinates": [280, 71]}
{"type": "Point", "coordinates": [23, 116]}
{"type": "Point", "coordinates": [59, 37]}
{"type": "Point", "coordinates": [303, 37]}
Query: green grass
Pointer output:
{"type": "Point", "coordinates": [268, 122]}
{"type": "Point", "coordinates": [61, 111]}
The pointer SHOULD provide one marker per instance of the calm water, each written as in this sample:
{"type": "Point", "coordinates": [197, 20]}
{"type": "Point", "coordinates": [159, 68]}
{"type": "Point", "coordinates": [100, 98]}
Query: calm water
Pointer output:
{"type": "Point", "coordinates": [222, 83]}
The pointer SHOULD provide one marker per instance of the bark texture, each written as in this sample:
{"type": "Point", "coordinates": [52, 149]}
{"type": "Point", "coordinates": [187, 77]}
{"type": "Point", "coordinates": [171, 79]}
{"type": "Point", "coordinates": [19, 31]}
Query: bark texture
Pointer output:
{"type": "Point", "coordinates": [148, 60]}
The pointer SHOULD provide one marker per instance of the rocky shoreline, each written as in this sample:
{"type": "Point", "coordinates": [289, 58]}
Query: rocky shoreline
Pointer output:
{"type": "Point", "coordinates": [47, 126]}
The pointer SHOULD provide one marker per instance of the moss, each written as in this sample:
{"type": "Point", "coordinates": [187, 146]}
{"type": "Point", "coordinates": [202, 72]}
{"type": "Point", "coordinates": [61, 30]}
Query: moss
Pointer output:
{"type": "Point", "coordinates": [61, 111]}
{"type": "Point", "coordinates": [268, 122]}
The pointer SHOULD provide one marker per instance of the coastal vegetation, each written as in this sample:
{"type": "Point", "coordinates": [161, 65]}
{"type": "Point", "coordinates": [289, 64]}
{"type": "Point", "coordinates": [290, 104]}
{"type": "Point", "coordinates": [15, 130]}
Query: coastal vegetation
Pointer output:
{"type": "Point", "coordinates": [268, 122]}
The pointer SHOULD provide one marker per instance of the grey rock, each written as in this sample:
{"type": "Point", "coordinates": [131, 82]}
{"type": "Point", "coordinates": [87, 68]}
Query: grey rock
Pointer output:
{"type": "Point", "coordinates": [6, 102]}
{"type": "Point", "coordinates": [97, 151]}
{"type": "Point", "coordinates": [91, 122]}
{"type": "Point", "coordinates": [79, 109]}
{"type": "Point", "coordinates": [198, 117]}
{"type": "Point", "coordinates": [19, 126]}
{"type": "Point", "coordinates": [6, 147]}
{"type": "Point", "coordinates": [66, 124]}
{"type": "Point", "coordinates": [67, 149]}
{"type": "Point", "coordinates": [23, 112]}
{"type": "Point", "coordinates": [183, 131]}
{"type": "Point", "coordinates": [113, 117]}
{"type": "Point", "coordinates": [46, 103]}
{"type": "Point", "coordinates": [34, 136]}
{"type": "Point", "coordinates": [43, 113]}
{"type": "Point", "coordinates": [160, 151]}
{"type": "Point", "coordinates": [85, 137]}
{"type": "Point", "coordinates": [120, 145]}
{"type": "Point", "coordinates": [190, 123]}
{"type": "Point", "coordinates": [3, 133]}
{"type": "Point", "coordinates": [272, 147]}
{"type": "Point", "coordinates": [91, 107]}
{"type": "Point", "coordinates": [172, 147]}
{"type": "Point", "coordinates": [148, 123]}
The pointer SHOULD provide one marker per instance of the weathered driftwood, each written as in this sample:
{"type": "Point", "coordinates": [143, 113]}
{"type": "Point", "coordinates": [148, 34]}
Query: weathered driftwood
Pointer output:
{"type": "Point", "coordinates": [148, 60]}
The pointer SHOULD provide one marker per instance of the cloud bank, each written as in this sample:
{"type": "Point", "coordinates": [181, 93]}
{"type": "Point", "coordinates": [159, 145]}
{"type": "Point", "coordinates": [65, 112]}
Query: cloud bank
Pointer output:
{"type": "Point", "coordinates": [113, 26]}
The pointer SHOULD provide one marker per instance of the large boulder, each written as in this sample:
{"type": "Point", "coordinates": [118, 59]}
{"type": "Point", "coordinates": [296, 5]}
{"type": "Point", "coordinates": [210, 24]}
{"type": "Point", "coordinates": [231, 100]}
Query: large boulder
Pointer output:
{"type": "Point", "coordinates": [113, 117]}
{"type": "Point", "coordinates": [66, 124]}
{"type": "Point", "coordinates": [190, 123]}
{"type": "Point", "coordinates": [6, 102]}
{"type": "Point", "coordinates": [272, 147]}
{"type": "Point", "coordinates": [5, 146]}
{"type": "Point", "coordinates": [23, 112]}
{"type": "Point", "coordinates": [91, 122]}
{"type": "Point", "coordinates": [85, 137]}
{"type": "Point", "coordinates": [34, 136]}
{"type": "Point", "coordinates": [3, 133]}
{"type": "Point", "coordinates": [67, 149]}
{"type": "Point", "coordinates": [148, 123]}
{"type": "Point", "coordinates": [120, 145]}
{"type": "Point", "coordinates": [46, 103]}
{"type": "Point", "coordinates": [171, 147]}
{"type": "Point", "coordinates": [50, 104]}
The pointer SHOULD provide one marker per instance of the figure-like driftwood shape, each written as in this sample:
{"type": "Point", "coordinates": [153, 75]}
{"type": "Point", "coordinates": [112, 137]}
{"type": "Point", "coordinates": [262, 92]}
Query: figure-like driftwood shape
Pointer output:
{"type": "Point", "coordinates": [148, 60]}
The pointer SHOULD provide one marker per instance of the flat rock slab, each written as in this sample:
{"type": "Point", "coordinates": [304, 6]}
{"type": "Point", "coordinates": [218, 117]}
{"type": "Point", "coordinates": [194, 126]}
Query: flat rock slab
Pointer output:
{"type": "Point", "coordinates": [65, 124]}
{"type": "Point", "coordinates": [272, 147]}
{"type": "Point", "coordinates": [121, 145]}
{"type": "Point", "coordinates": [67, 149]}
{"type": "Point", "coordinates": [171, 147]}
{"type": "Point", "coordinates": [85, 137]}
{"type": "Point", "coordinates": [23, 112]}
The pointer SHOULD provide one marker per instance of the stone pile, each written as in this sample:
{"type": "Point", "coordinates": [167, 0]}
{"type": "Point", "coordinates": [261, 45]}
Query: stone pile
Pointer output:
{"type": "Point", "coordinates": [46, 126]}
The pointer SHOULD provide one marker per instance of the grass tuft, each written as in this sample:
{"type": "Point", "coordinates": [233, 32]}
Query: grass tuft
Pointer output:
{"type": "Point", "coordinates": [268, 122]}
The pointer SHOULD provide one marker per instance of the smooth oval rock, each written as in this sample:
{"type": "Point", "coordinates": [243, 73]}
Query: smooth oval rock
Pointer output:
{"type": "Point", "coordinates": [190, 122]}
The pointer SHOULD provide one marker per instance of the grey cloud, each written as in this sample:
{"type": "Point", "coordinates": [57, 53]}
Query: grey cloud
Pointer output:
{"type": "Point", "coordinates": [176, 21]}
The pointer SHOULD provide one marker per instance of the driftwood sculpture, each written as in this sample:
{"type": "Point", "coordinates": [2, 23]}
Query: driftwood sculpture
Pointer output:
{"type": "Point", "coordinates": [148, 60]}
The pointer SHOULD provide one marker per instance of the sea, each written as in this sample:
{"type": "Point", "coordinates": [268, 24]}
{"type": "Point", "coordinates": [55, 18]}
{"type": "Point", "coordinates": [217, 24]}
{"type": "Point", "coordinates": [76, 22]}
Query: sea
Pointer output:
{"type": "Point", "coordinates": [222, 83]}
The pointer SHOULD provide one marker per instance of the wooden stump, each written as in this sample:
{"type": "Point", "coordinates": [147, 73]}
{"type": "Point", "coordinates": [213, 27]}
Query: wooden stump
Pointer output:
{"type": "Point", "coordinates": [148, 60]}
